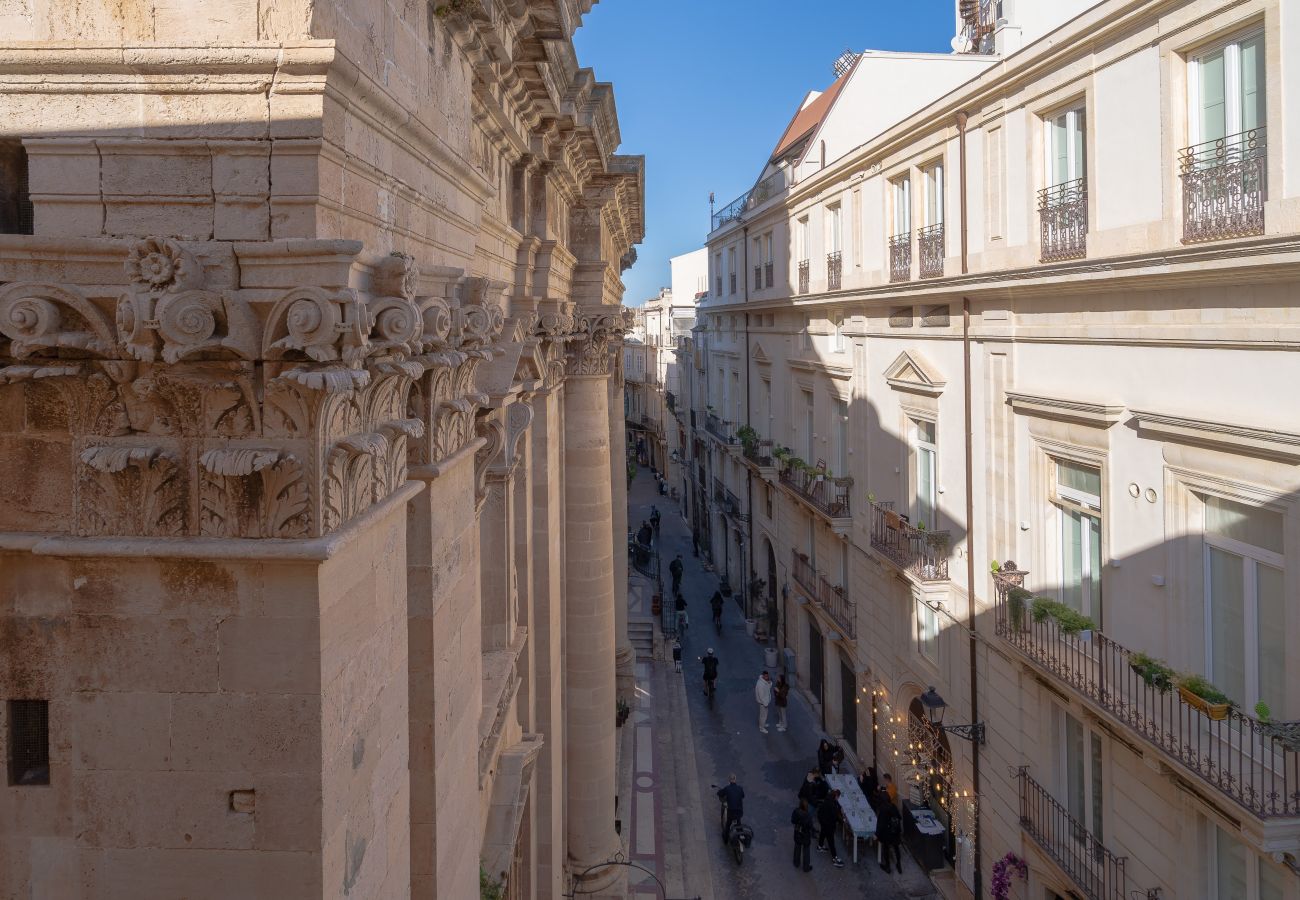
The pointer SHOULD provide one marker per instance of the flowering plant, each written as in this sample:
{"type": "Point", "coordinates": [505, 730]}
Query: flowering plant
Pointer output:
{"type": "Point", "coordinates": [1003, 869]}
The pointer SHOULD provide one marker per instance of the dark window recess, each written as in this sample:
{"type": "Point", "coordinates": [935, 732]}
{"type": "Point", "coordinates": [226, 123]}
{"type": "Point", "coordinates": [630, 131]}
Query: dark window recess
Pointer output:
{"type": "Point", "coordinates": [935, 315]}
{"type": "Point", "coordinates": [29, 742]}
{"type": "Point", "coordinates": [901, 317]}
{"type": "Point", "coordinates": [15, 201]}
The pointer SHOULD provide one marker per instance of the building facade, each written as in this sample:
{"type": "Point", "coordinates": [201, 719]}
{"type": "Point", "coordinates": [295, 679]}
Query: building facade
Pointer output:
{"type": "Point", "coordinates": [998, 396]}
{"type": "Point", "coordinates": [311, 513]}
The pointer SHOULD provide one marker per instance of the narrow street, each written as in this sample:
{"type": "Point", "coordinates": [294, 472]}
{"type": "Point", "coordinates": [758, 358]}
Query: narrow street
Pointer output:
{"type": "Point", "coordinates": [726, 740]}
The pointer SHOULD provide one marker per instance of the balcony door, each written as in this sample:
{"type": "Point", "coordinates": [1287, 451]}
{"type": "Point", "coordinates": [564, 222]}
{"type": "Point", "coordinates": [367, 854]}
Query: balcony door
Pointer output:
{"type": "Point", "coordinates": [1226, 90]}
{"type": "Point", "coordinates": [925, 493]}
{"type": "Point", "coordinates": [1065, 147]}
{"type": "Point", "coordinates": [1079, 785]}
{"type": "Point", "coordinates": [1077, 498]}
{"type": "Point", "coordinates": [1245, 602]}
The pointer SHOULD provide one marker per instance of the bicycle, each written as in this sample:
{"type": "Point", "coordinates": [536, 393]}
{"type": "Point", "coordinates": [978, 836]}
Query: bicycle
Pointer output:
{"type": "Point", "coordinates": [737, 837]}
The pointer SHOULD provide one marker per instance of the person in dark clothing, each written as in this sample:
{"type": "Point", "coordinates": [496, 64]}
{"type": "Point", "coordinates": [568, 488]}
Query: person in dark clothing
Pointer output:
{"type": "Point", "coordinates": [889, 831]}
{"type": "Point", "coordinates": [869, 784]}
{"type": "Point", "coordinates": [654, 519]}
{"type": "Point", "coordinates": [677, 655]}
{"type": "Point", "coordinates": [814, 789]}
{"type": "Point", "coordinates": [644, 534]}
{"type": "Point", "coordinates": [828, 820]}
{"type": "Point", "coordinates": [825, 755]}
{"type": "Point", "coordinates": [682, 619]}
{"type": "Point", "coordinates": [710, 670]}
{"type": "Point", "coordinates": [695, 543]}
{"type": "Point", "coordinates": [675, 569]}
{"type": "Point", "coordinates": [802, 821]}
{"type": "Point", "coordinates": [716, 603]}
{"type": "Point", "coordinates": [734, 796]}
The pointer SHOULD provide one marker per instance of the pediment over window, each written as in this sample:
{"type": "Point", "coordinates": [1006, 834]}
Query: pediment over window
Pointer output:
{"type": "Point", "coordinates": [758, 356]}
{"type": "Point", "coordinates": [913, 372]}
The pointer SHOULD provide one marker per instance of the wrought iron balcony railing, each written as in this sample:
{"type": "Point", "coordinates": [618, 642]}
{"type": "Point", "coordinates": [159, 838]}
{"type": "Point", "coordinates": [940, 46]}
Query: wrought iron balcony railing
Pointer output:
{"type": "Point", "coordinates": [759, 452]}
{"type": "Point", "coordinates": [929, 242]}
{"type": "Point", "coordinates": [1254, 764]}
{"type": "Point", "coordinates": [756, 196]}
{"type": "Point", "coordinates": [920, 553]}
{"type": "Point", "coordinates": [1063, 221]}
{"type": "Point", "coordinates": [834, 269]}
{"type": "Point", "coordinates": [827, 494]}
{"type": "Point", "coordinates": [1097, 872]}
{"type": "Point", "coordinates": [833, 599]}
{"type": "Point", "coordinates": [1225, 184]}
{"type": "Point", "coordinates": [803, 276]}
{"type": "Point", "coordinates": [900, 257]}
{"type": "Point", "coordinates": [758, 277]}
{"type": "Point", "coordinates": [719, 428]}
{"type": "Point", "coordinates": [727, 501]}
{"type": "Point", "coordinates": [768, 270]}
{"type": "Point", "coordinates": [980, 19]}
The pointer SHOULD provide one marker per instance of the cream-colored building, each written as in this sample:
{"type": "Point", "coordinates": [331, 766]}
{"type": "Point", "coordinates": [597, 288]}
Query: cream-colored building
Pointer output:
{"type": "Point", "coordinates": [1036, 337]}
{"type": "Point", "coordinates": [311, 505]}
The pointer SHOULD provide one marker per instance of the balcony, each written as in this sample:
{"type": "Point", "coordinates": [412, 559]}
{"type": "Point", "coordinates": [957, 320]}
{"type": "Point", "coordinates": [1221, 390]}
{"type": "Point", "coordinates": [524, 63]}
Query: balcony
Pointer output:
{"type": "Point", "coordinates": [756, 196]}
{"type": "Point", "coordinates": [769, 270]}
{"type": "Point", "coordinates": [728, 503]}
{"type": "Point", "coordinates": [900, 257]}
{"type": "Point", "coordinates": [921, 554]}
{"type": "Point", "coordinates": [1063, 221]}
{"type": "Point", "coordinates": [803, 276]}
{"type": "Point", "coordinates": [758, 452]}
{"type": "Point", "coordinates": [832, 599]}
{"type": "Point", "coordinates": [1096, 871]}
{"type": "Point", "coordinates": [826, 494]}
{"type": "Point", "coordinates": [929, 242]}
{"type": "Point", "coordinates": [1225, 184]}
{"type": "Point", "coordinates": [834, 270]}
{"type": "Point", "coordinates": [979, 20]}
{"type": "Point", "coordinates": [1254, 764]}
{"type": "Point", "coordinates": [719, 428]}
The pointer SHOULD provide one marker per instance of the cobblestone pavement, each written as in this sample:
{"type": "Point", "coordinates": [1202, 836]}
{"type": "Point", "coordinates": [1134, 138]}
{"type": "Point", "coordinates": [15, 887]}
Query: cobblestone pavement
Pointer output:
{"type": "Point", "coordinates": [726, 739]}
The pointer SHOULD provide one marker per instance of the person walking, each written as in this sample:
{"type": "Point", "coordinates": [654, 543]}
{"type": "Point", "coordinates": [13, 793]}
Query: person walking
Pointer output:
{"type": "Point", "coordinates": [677, 655]}
{"type": "Point", "coordinates": [887, 782]}
{"type": "Point", "coordinates": [695, 543]}
{"type": "Point", "coordinates": [654, 519]}
{"type": "Point", "coordinates": [682, 619]}
{"type": "Point", "coordinates": [889, 831]}
{"type": "Point", "coordinates": [763, 694]}
{"type": "Point", "coordinates": [781, 698]}
{"type": "Point", "coordinates": [825, 753]}
{"type": "Point", "coordinates": [828, 820]}
{"type": "Point", "coordinates": [716, 603]}
{"type": "Point", "coordinates": [802, 821]}
{"type": "Point", "coordinates": [675, 569]}
{"type": "Point", "coordinates": [733, 795]}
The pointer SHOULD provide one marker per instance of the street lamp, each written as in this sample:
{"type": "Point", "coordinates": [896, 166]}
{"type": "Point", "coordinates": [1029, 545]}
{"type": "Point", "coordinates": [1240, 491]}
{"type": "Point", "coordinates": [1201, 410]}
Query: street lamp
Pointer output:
{"type": "Point", "coordinates": [934, 707]}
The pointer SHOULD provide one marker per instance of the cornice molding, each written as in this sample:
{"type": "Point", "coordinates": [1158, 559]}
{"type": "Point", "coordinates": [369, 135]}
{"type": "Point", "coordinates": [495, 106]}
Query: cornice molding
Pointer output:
{"type": "Point", "coordinates": [1283, 446]}
{"type": "Point", "coordinates": [1100, 415]}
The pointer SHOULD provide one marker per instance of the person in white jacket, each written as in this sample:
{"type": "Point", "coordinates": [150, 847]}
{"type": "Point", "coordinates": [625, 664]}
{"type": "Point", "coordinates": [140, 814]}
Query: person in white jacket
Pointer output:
{"type": "Point", "coordinates": [763, 694]}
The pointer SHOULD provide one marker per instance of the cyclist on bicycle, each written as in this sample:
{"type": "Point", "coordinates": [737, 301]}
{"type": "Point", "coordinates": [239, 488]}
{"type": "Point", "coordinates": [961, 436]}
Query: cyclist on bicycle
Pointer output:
{"type": "Point", "coordinates": [710, 671]}
{"type": "Point", "coordinates": [716, 603]}
{"type": "Point", "coordinates": [732, 797]}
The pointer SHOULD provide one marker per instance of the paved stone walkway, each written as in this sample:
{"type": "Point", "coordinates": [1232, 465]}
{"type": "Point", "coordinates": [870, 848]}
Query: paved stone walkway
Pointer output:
{"type": "Point", "coordinates": [687, 851]}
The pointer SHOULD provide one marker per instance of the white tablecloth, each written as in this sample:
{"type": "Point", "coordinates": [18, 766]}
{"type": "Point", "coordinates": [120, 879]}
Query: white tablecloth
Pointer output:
{"type": "Point", "coordinates": [861, 817]}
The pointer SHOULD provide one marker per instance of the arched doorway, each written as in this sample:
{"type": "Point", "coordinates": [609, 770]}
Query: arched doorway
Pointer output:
{"type": "Point", "coordinates": [773, 610]}
{"type": "Point", "coordinates": [931, 782]}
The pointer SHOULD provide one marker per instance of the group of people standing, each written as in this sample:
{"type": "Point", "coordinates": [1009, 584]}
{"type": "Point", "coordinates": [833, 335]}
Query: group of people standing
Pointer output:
{"type": "Point", "coordinates": [819, 813]}
{"type": "Point", "coordinates": [770, 693]}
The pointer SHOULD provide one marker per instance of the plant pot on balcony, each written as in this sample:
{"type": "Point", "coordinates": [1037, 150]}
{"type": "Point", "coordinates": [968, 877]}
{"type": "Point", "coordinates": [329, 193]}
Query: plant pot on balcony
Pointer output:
{"type": "Point", "coordinates": [1215, 711]}
{"type": "Point", "coordinates": [1285, 733]}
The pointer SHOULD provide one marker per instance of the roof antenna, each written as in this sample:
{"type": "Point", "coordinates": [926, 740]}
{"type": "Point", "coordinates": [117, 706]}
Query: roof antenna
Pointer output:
{"type": "Point", "coordinates": [844, 62]}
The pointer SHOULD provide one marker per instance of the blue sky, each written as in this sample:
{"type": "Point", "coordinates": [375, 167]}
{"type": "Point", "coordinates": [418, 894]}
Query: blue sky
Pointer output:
{"type": "Point", "coordinates": [705, 87]}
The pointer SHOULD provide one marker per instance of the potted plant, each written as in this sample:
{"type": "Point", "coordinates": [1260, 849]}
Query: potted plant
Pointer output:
{"type": "Point", "coordinates": [1285, 733]}
{"type": "Point", "coordinates": [1153, 671]}
{"type": "Point", "coordinates": [1018, 600]}
{"type": "Point", "coordinates": [489, 888]}
{"type": "Point", "coordinates": [1199, 693]}
{"type": "Point", "coordinates": [1003, 871]}
{"type": "Point", "coordinates": [1069, 620]}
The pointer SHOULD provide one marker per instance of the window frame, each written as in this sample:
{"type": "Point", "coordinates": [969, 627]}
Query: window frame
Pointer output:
{"type": "Point", "coordinates": [932, 447]}
{"type": "Point", "coordinates": [932, 188]}
{"type": "Point", "coordinates": [901, 202]}
{"type": "Point", "coordinates": [1076, 123]}
{"type": "Point", "coordinates": [927, 630]}
{"type": "Point", "coordinates": [1065, 501]}
{"type": "Point", "coordinates": [1230, 47]}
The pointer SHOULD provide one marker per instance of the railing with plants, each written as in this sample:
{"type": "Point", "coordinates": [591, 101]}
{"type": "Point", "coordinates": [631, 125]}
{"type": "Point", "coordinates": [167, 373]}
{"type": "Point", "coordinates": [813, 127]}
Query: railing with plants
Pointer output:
{"type": "Point", "coordinates": [754, 449]}
{"type": "Point", "coordinates": [922, 554]}
{"type": "Point", "coordinates": [1097, 871]}
{"type": "Point", "coordinates": [816, 484]}
{"type": "Point", "coordinates": [718, 427]}
{"type": "Point", "coordinates": [1252, 760]}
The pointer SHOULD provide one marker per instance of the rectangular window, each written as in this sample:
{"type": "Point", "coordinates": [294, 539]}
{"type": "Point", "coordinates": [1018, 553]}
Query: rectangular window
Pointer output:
{"type": "Point", "coordinates": [902, 206]}
{"type": "Point", "coordinates": [841, 424]}
{"type": "Point", "coordinates": [717, 277]}
{"type": "Point", "coordinates": [1233, 872]}
{"type": "Point", "coordinates": [833, 232]}
{"type": "Point", "coordinates": [29, 742]}
{"type": "Point", "coordinates": [766, 411]}
{"type": "Point", "coordinates": [1226, 90]}
{"type": "Point", "coordinates": [839, 333]}
{"type": "Point", "coordinates": [807, 332]}
{"type": "Point", "coordinates": [810, 435]}
{"type": "Point", "coordinates": [844, 565]}
{"type": "Point", "coordinates": [932, 178]}
{"type": "Point", "coordinates": [927, 631]}
{"type": "Point", "coordinates": [731, 270]}
{"type": "Point", "coordinates": [812, 541]}
{"type": "Point", "coordinates": [1065, 147]}
{"type": "Point", "coordinates": [801, 239]}
{"type": "Point", "coordinates": [1077, 496]}
{"type": "Point", "coordinates": [767, 497]}
{"type": "Point", "coordinates": [1079, 771]}
{"type": "Point", "coordinates": [1245, 605]}
{"type": "Point", "coordinates": [925, 504]}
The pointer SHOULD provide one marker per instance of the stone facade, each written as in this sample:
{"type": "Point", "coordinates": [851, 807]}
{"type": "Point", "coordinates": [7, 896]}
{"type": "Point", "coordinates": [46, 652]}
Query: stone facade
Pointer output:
{"type": "Point", "coordinates": [317, 313]}
{"type": "Point", "coordinates": [1063, 259]}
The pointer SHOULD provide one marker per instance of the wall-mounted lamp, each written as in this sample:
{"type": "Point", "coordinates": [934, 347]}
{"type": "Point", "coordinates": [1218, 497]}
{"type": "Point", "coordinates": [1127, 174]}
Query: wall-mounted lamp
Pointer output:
{"type": "Point", "coordinates": [934, 708]}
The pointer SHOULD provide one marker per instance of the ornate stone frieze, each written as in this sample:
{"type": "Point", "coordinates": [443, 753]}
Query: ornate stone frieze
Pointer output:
{"type": "Point", "coordinates": [194, 406]}
{"type": "Point", "coordinates": [597, 341]}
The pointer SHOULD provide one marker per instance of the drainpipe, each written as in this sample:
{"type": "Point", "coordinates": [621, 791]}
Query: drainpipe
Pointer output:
{"type": "Point", "coordinates": [749, 476]}
{"type": "Point", "coordinates": [970, 508]}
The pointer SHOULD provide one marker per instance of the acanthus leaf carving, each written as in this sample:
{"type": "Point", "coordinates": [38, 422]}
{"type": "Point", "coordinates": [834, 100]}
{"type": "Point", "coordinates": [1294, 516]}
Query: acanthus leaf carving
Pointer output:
{"type": "Point", "coordinates": [131, 490]}
{"type": "Point", "coordinates": [253, 492]}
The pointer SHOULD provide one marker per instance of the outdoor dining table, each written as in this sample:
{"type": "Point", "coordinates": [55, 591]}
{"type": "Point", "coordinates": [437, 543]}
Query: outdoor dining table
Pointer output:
{"type": "Point", "coordinates": [857, 811]}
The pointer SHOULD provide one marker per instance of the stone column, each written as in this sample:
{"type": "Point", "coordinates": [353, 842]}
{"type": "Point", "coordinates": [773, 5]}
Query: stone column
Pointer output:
{"type": "Point", "coordinates": [590, 617]}
{"type": "Point", "coordinates": [625, 656]}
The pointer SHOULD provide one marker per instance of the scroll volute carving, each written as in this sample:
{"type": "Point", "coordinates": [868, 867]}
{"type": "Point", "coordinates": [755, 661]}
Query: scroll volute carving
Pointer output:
{"type": "Point", "coordinates": [318, 325]}
{"type": "Point", "coordinates": [40, 319]}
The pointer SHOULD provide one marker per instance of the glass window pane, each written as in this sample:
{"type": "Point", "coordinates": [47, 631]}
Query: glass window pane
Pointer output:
{"type": "Point", "coordinates": [1080, 146]}
{"type": "Point", "coordinates": [1252, 82]}
{"type": "Point", "coordinates": [1094, 566]}
{"type": "Point", "coordinates": [1272, 637]}
{"type": "Point", "coordinates": [925, 431]}
{"type": "Point", "coordinates": [1230, 857]}
{"type": "Point", "coordinates": [1213, 112]}
{"type": "Point", "coordinates": [1084, 479]}
{"type": "Point", "coordinates": [1071, 558]}
{"type": "Point", "coordinates": [925, 488]}
{"type": "Point", "coordinates": [1074, 761]}
{"type": "Point", "coordinates": [1227, 622]}
{"type": "Point", "coordinates": [1248, 524]}
{"type": "Point", "coordinates": [1095, 825]}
